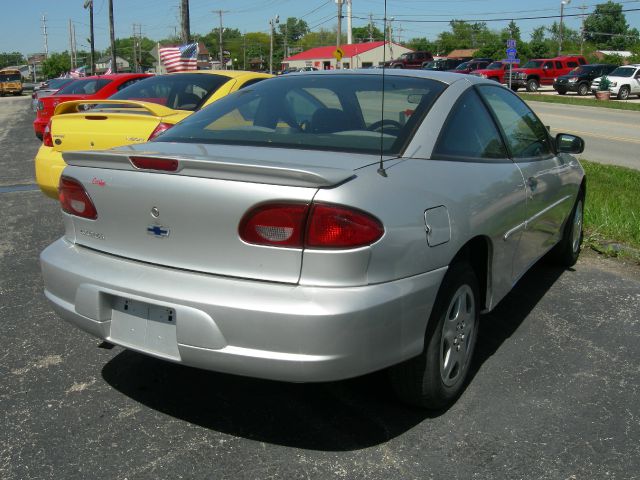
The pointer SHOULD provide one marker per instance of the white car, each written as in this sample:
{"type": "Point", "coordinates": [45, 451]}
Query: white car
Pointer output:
{"type": "Point", "coordinates": [625, 81]}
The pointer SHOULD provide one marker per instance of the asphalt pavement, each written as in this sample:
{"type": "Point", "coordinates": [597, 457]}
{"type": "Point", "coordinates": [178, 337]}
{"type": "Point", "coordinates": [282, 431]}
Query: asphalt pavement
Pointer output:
{"type": "Point", "coordinates": [553, 395]}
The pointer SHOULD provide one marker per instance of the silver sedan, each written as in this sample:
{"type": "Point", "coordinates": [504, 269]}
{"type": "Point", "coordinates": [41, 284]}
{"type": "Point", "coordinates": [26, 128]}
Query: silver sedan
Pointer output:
{"type": "Point", "coordinates": [319, 226]}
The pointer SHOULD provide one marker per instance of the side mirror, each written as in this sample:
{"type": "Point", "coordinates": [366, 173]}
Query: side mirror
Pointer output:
{"type": "Point", "coordinates": [567, 143]}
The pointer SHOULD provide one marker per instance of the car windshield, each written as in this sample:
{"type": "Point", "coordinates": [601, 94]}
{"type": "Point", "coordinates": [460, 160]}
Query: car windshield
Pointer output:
{"type": "Point", "coordinates": [56, 83]}
{"type": "Point", "coordinates": [533, 64]}
{"type": "Point", "coordinates": [84, 87]}
{"type": "Point", "coordinates": [180, 91]}
{"type": "Point", "coordinates": [317, 112]}
{"type": "Point", "coordinates": [495, 66]}
{"type": "Point", "coordinates": [622, 72]}
{"type": "Point", "coordinates": [463, 66]}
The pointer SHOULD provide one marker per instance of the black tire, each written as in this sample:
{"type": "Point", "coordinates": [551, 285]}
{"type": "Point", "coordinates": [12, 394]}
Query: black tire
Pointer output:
{"type": "Point", "coordinates": [583, 89]}
{"type": "Point", "coordinates": [623, 93]}
{"type": "Point", "coordinates": [562, 91]}
{"type": "Point", "coordinates": [532, 85]}
{"type": "Point", "coordinates": [421, 380]}
{"type": "Point", "coordinates": [567, 251]}
{"type": "Point", "coordinates": [514, 88]}
{"type": "Point", "coordinates": [398, 66]}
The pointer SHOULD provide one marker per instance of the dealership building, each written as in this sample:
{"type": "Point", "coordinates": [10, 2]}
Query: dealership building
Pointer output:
{"type": "Point", "coordinates": [356, 55]}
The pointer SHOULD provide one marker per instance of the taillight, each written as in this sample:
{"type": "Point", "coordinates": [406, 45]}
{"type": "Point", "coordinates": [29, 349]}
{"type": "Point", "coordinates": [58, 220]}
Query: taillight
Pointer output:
{"type": "Point", "coordinates": [151, 163]}
{"type": "Point", "coordinates": [75, 200]}
{"type": "Point", "coordinates": [304, 226]}
{"type": "Point", "coordinates": [334, 226]}
{"type": "Point", "coordinates": [161, 128]}
{"type": "Point", "coordinates": [47, 140]}
{"type": "Point", "coordinates": [276, 224]}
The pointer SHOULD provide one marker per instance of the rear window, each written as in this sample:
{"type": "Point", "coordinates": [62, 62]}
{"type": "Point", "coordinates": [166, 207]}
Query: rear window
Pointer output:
{"type": "Point", "coordinates": [182, 91]}
{"type": "Point", "coordinates": [317, 112]}
{"type": "Point", "coordinates": [84, 87]}
{"type": "Point", "coordinates": [56, 83]}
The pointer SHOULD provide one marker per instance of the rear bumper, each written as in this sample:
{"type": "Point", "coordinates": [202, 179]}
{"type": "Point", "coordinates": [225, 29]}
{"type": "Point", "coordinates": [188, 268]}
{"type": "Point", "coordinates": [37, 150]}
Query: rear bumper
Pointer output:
{"type": "Point", "coordinates": [49, 166]}
{"type": "Point", "coordinates": [258, 329]}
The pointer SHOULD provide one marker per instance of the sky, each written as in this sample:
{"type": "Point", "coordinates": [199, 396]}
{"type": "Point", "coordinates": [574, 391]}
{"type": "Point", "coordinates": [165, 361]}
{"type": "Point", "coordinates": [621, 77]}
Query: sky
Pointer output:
{"type": "Point", "coordinates": [21, 27]}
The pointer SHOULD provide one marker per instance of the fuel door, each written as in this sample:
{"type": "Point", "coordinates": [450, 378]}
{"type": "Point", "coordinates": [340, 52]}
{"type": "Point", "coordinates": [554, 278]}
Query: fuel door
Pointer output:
{"type": "Point", "coordinates": [437, 225]}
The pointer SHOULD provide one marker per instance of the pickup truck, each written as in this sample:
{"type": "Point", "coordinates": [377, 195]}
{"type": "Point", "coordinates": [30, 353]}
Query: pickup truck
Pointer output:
{"type": "Point", "coordinates": [410, 60]}
{"type": "Point", "coordinates": [542, 71]}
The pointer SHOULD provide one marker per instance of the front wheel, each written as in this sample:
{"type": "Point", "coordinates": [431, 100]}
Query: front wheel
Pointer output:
{"type": "Point", "coordinates": [623, 93]}
{"type": "Point", "coordinates": [583, 89]}
{"type": "Point", "coordinates": [532, 85]}
{"type": "Point", "coordinates": [514, 88]}
{"type": "Point", "coordinates": [567, 250]}
{"type": "Point", "coordinates": [435, 378]}
{"type": "Point", "coordinates": [562, 91]}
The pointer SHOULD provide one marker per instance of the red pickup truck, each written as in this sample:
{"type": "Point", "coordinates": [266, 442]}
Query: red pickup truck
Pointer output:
{"type": "Point", "coordinates": [542, 71]}
{"type": "Point", "coordinates": [495, 71]}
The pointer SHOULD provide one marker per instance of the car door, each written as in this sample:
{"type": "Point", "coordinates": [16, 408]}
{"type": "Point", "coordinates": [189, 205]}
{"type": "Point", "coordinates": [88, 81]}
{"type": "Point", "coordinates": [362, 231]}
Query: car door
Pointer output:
{"type": "Point", "coordinates": [635, 82]}
{"type": "Point", "coordinates": [545, 175]}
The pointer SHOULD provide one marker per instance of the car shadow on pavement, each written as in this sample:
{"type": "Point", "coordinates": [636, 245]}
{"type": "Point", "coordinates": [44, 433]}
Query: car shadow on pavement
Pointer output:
{"type": "Point", "coordinates": [334, 416]}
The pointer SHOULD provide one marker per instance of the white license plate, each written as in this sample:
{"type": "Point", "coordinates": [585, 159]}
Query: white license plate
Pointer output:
{"type": "Point", "coordinates": [144, 326]}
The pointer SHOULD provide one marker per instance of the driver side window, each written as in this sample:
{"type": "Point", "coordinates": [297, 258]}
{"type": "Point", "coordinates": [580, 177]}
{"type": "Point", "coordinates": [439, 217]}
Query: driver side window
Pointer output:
{"type": "Point", "coordinates": [526, 136]}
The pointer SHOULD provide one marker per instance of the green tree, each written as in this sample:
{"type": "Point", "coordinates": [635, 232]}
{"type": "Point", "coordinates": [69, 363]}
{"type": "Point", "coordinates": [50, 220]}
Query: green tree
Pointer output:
{"type": "Point", "coordinates": [294, 29]}
{"type": "Point", "coordinates": [607, 27]}
{"type": "Point", "coordinates": [10, 59]}
{"type": "Point", "coordinates": [364, 34]}
{"type": "Point", "coordinates": [56, 64]}
{"type": "Point", "coordinates": [125, 48]}
{"type": "Point", "coordinates": [423, 44]}
{"type": "Point", "coordinates": [539, 46]}
{"type": "Point", "coordinates": [466, 35]}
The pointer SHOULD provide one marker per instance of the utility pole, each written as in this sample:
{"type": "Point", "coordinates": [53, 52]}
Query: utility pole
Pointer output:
{"type": "Point", "coordinates": [338, 39]}
{"type": "Point", "coordinates": [184, 15]}
{"type": "Point", "coordinates": [135, 53]}
{"type": "Point", "coordinates": [562, 4]}
{"type": "Point", "coordinates": [244, 51]}
{"type": "Point", "coordinates": [220, 30]}
{"type": "Point", "coordinates": [89, 3]}
{"type": "Point", "coordinates": [286, 36]}
{"type": "Point", "coordinates": [582, 16]}
{"type": "Point", "coordinates": [44, 34]}
{"type": "Point", "coordinates": [272, 23]}
{"type": "Point", "coordinates": [349, 26]}
{"type": "Point", "coordinates": [114, 65]}
{"type": "Point", "coordinates": [75, 45]}
{"type": "Point", "coordinates": [371, 27]}
{"type": "Point", "coordinates": [71, 66]}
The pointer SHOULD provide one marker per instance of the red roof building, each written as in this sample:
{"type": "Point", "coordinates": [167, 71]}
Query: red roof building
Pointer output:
{"type": "Point", "coordinates": [356, 55]}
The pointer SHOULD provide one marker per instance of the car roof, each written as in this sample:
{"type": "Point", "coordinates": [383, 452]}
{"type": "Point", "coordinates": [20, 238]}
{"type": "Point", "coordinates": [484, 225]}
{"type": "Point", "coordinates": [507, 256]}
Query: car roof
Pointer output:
{"type": "Point", "coordinates": [444, 77]}
{"type": "Point", "coordinates": [224, 73]}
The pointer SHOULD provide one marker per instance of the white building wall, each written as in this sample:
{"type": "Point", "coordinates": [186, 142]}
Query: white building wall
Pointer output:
{"type": "Point", "coordinates": [375, 56]}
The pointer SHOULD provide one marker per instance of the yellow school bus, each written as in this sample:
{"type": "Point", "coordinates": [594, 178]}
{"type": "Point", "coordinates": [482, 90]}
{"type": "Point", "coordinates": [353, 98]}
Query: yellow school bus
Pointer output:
{"type": "Point", "coordinates": [10, 81]}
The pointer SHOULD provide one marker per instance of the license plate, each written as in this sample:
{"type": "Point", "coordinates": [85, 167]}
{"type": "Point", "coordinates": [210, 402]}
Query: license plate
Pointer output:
{"type": "Point", "coordinates": [144, 326]}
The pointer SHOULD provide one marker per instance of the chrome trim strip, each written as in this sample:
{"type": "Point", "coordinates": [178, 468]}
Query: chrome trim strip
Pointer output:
{"type": "Point", "coordinates": [526, 223]}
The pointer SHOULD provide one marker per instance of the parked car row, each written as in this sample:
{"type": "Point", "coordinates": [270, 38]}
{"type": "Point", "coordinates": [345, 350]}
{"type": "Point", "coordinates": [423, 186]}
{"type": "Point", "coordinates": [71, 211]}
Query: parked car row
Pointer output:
{"type": "Point", "coordinates": [312, 227]}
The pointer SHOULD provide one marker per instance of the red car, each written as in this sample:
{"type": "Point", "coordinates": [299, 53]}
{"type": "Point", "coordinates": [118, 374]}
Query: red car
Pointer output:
{"type": "Point", "coordinates": [87, 88]}
{"type": "Point", "coordinates": [494, 71]}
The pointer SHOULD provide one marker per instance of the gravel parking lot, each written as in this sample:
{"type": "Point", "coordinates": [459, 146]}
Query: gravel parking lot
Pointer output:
{"type": "Point", "coordinates": [553, 395]}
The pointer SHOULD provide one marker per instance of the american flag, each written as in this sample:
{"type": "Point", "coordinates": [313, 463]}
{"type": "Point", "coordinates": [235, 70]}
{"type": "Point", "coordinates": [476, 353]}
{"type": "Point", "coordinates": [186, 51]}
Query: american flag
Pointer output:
{"type": "Point", "coordinates": [179, 59]}
{"type": "Point", "coordinates": [78, 72]}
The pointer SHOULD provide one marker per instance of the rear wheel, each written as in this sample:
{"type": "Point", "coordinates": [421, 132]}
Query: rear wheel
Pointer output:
{"type": "Point", "coordinates": [623, 93]}
{"type": "Point", "coordinates": [583, 89]}
{"type": "Point", "coordinates": [566, 252]}
{"type": "Point", "coordinates": [435, 378]}
{"type": "Point", "coordinates": [532, 85]}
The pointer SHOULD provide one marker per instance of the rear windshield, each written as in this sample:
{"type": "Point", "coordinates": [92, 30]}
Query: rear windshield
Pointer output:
{"type": "Point", "coordinates": [182, 91]}
{"type": "Point", "coordinates": [317, 112]}
{"type": "Point", "coordinates": [622, 72]}
{"type": "Point", "coordinates": [84, 87]}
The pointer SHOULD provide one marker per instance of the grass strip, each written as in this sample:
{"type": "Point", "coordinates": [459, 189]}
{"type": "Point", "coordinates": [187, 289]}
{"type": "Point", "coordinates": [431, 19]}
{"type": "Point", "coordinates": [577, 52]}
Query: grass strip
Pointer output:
{"type": "Point", "coordinates": [612, 209]}
{"type": "Point", "coordinates": [590, 102]}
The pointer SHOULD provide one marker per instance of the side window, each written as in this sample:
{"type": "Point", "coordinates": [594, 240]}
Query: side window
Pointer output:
{"type": "Point", "coordinates": [547, 65]}
{"type": "Point", "coordinates": [558, 65]}
{"type": "Point", "coordinates": [248, 83]}
{"type": "Point", "coordinates": [469, 133]}
{"type": "Point", "coordinates": [526, 136]}
{"type": "Point", "coordinates": [572, 64]}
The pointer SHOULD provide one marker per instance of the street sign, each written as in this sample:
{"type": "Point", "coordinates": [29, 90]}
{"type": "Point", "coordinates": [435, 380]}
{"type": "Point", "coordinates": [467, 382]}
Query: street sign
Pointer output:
{"type": "Point", "coordinates": [511, 60]}
{"type": "Point", "coordinates": [338, 53]}
{"type": "Point", "coordinates": [511, 43]}
{"type": "Point", "coordinates": [511, 52]}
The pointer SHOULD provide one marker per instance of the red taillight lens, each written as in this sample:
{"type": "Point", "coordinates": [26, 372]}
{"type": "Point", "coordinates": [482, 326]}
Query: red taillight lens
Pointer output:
{"type": "Point", "coordinates": [151, 163]}
{"type": "Point", "coordinates": [304, 226]}
{"type": "Point", "coordinates": [161, 128]}
{"type": "Point", "coordinates": [47, 140]}
{"type": "Point", "coordinates": [333, 226]}
{"type": "Point", "coordinates": [280, 224]}
{"type": "Point", "coordinates": [75, 200]}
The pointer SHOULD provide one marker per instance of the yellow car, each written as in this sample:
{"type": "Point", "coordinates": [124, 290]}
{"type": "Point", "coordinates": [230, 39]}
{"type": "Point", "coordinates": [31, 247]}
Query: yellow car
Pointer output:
{"type": "Point", "coordinates": [136, 114]}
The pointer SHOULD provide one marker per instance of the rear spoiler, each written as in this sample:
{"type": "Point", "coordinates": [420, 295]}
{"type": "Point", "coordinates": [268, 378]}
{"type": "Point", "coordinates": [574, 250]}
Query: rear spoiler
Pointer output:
{"type": "Point", "coordinates": [225, 168]}
{"type": "Point", "coordinates": [153, 108]}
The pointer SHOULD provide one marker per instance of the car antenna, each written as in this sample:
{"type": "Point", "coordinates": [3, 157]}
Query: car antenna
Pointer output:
{"type": "Point", "coordinates": [381, 169]}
